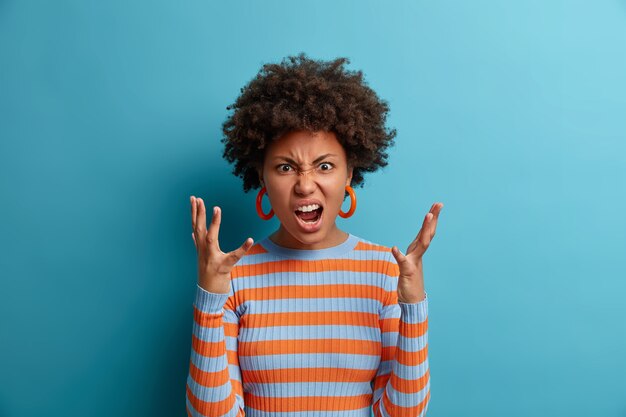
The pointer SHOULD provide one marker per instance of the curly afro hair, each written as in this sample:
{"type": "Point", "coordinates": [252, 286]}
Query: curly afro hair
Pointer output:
{"type": "Point", "coordinates": [305, 94]}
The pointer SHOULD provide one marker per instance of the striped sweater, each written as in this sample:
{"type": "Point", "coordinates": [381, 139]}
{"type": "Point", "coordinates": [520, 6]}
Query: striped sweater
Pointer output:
{"type": "Point", "coordinates": [309, 333]}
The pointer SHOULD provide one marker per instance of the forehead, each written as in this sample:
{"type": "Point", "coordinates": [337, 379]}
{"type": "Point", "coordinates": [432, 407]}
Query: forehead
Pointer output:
{"type": "Point", "coordinates": [305, 146]}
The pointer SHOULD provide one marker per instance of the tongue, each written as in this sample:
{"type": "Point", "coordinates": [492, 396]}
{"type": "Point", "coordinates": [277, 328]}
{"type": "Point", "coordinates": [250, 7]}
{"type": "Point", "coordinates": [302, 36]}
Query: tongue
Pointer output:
{"type": "Point", "coordinates": [311, 215]}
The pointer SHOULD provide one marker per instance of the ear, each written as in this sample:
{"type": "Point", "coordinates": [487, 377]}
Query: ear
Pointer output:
{"type": "Point", "coordinates": [349, 180]}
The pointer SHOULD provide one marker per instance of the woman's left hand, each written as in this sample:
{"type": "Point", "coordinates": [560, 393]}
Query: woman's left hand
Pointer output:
{"type": "Point", "coordinates": [411, 279]}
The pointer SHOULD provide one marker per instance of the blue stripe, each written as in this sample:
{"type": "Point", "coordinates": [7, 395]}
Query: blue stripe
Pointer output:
{"type": "Point", "coordinates": [208, 334]}
{"type": "Point", "coordinates": [404, 371]}
{"type": "Point", "coordinates": [201, 363]}
{"type": "Point", "coordinates": [214, 393]}
{"type": "Point", "coordinates": [389, 339]}
{"type": "Point", "coordinates": [309, 360]}
{"type": "Point", "coordinates": [391, 311]}
{"type": "Point", "coordinates": [413, 344]}
{"type": "Point", "coordinates": [363, 412]}
{"type": "Point", "coordinates": [311, 389]}
{"type": "Point", "coordinates": [310, 332]}
{"type": "Point", "coordinates": [307, 305]}
{"type": "Point", "coordinates": [207, 363]}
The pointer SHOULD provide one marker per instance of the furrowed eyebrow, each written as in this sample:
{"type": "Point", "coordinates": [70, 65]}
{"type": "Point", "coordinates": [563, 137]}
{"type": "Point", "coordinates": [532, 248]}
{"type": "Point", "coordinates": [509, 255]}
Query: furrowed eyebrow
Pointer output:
{"type": "Point", "coordinates": [316, 160]}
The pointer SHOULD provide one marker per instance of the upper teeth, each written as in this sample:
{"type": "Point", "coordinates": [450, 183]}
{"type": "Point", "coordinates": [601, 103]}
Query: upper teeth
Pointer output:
{"type": "Point", "coordinates": [309, 208]}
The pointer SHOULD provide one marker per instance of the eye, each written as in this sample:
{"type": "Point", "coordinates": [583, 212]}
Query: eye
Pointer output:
{"type": "Point", "coordinates": [283, 165]}
{"type": "Point", "coordinates": [326, 163]}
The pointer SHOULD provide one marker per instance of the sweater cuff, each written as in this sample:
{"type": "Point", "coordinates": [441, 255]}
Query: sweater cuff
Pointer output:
{"type": "Point", "coordinates": [209, 302]}
{"type": "Point", "coordinates": [414, 312]}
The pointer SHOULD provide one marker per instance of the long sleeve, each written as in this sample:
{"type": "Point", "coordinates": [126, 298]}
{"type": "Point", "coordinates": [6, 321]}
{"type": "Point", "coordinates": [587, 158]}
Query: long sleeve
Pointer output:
{"type": "Point", "coordinates": [214, 384]}
{"type": "Point", "coordinates": [402, 383]}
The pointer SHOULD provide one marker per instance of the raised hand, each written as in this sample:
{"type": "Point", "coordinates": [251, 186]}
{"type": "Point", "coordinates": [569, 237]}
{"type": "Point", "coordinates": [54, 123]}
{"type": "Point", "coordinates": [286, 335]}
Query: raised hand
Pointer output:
{"type": "Point", "coordinates": [214, 266]}
{"type": "Point", "coordinates": [411, 279]}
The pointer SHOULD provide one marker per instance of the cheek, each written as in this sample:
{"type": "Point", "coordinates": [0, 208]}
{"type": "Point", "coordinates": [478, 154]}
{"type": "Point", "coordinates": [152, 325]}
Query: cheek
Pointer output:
{"type": "Point", "coordinates": [280, 199]}
{"type": "Point", "coordinates": [334, 195]}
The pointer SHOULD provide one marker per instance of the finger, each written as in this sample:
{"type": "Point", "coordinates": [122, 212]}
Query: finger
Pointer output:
{"type": "Point", "coordinates": [425, 237]}
{"type": "Point", "coordinates": [201, 217]}
{"type": "Point", "coordinates": [214, 229]}
{"type": "Point", "coordinates": [193, 236]}
{"type": "Point", "coordinates": [417, 246]}
{"type": "Point", "coordinates": [427, 231]}
{"type": "Point", "coordinates": [433, 222]}
{"type": "Point", "coordinates": [400, 258]}
{"type": "Point", "coordinates": [419, 238]}
{"type": "Point", "coordinates": [200, 229]}
{"type": "Point", "coordinates": [424, 226]}
{"type": "Point", "coordinates": [193, 212]}
{"type": "Point", "coordinates": [421, 241]}
{"type": "Point", "coordinates": [235, 256]}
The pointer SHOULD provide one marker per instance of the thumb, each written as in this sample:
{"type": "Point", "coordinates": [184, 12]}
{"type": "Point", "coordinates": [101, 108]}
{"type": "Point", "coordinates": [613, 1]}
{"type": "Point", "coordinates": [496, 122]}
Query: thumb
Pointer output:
{"type": "Point", "coordinates": [400, 258]}
{"type": "Point", "coordinates": [238, 253]}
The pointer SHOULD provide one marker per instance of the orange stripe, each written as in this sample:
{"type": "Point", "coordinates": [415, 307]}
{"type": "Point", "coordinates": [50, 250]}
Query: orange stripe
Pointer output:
{"type": "Point", "coordinates": [231, 329]}
{"type": "Point", "coordinates": [405, 358]}
{"type": "Point", "coordinates": [255, 250]}
{"type": "Point", "coordinates": [412, 358]}
{"type": "Point", "coordinates": [210, 349]}
{"type": "Point", "coordinates": [319, 265]}
{"type": "Point", "coordinates": [215, 320]}
{"type": "Point", "coordinates": [209, 408]}
{"type": "Point", "coordinates": [389, 324]}
{"type": "Point", "coordinates": [389, 352]}
{"type": "Point", "coordinates": [237, 387]}
{"type": "Point", "coordinates": [208, 379]}
{"type": "Point", "coordinates": [309, 318]}
{"type": "Point", "coordinates": [218, 378]}
{"type": "Point", "coordinates": [214, 349]}
{"type": "Point", "coordinates": [207, 319]}
{"type": "Point", "coordinates": [381, 381]}
{"type": "Point", "coordinates": [278, 347]}
{"type": "Point", "coordinates": [293, 404]}
{"type": "Point", "coordinates": [394, 269]}
{"type": "Point", "coordinates": [393, 324]}
{"type": "Point", "coordinates": [214, 379]}
{"type": "Point", "coordinates": [371, 246]}
{"type": "Point", "coordinates": [308, 375]}
{"type": "Point", "coordinates": [396, 410]}
{"type": "Point", "coordinates": [409, 386]}
{"type": "Point", "coordinates": [413, 329]}
{"type": "Point", "coordinates": [314, 291]}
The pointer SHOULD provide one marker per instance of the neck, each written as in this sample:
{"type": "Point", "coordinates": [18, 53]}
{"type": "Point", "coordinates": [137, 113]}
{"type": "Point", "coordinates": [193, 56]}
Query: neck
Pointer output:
{"type": "Point", "coordinates": [283, 238]}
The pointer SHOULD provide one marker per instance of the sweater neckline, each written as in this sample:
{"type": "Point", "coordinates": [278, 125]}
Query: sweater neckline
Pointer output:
{"type": "Point", "coordinates": [333, 251]}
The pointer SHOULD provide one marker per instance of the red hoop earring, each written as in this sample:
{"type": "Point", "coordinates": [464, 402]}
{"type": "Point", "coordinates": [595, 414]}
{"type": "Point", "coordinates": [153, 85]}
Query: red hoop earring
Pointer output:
{"type": "Point", "coordinates": [259, 207]}
{"type": "Point", "coordinates": [352, 203]}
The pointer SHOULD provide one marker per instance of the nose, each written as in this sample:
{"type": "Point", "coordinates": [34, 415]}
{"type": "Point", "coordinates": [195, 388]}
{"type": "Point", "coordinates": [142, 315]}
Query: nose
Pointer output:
{"type": "Point", "coordinates": [305, 182]}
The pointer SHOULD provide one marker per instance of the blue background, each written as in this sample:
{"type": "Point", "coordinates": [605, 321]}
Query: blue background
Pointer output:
{"type": "Point", "coordinates": [513, 114]}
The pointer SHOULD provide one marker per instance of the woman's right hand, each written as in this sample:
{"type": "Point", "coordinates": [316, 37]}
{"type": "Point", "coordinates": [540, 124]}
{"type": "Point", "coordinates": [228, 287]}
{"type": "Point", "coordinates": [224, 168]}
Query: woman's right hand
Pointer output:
{"type": "Point", "coordinates": [214, 266]}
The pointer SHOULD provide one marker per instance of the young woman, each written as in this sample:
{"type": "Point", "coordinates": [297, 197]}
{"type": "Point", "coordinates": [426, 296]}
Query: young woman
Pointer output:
{"type": "Point", "coordinates": [311, 320]}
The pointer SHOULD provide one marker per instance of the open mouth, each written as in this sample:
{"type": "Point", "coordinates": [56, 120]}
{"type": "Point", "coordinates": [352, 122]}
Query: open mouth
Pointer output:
{"type": "Point", "coordinates": [310, 217]}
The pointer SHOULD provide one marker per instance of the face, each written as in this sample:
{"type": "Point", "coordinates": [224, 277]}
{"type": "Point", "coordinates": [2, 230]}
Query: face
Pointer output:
{"type": "Point", "coordinates": [321, 154]}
